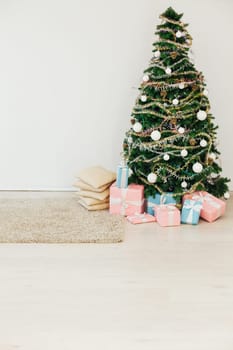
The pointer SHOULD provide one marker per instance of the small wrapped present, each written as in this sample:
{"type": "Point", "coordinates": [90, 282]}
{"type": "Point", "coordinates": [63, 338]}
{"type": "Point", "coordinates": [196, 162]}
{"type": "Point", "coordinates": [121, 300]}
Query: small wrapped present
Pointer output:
{"type": "Point", "coordinates": [122, 175]}
{"type": "Point", "coordinates": [141, 218]}
{"type": "Point", "coordinates": [212, 207]}
{"type": "Point", "coordinates": [167, 215]}
{"type": "Point", "coordinates": [190, 213]}
{"type": "Point", "coordinates": [127, 201]}
{"type": "Point", "coordinates": [165, 198]}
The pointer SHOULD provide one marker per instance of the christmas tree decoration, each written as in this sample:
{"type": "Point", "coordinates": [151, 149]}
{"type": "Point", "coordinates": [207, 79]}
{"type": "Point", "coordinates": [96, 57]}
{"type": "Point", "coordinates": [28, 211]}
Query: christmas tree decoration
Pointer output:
{"type": "Point", "coordinates": [179, 34]}
{"type": "Point", "coordinates": [181, 130]}
{"type": "Point", "coordinates": [143, 98]}
{"type": "Point", "coordinates": [166, 157]}
{"type": "Point", "coordinates": [212, 156]}
{"type": "Point", "coordinates": [201, 115]}
{"type": "Point", "coordinates": [146, 78]}
{"type": "Point", "coordinates": [175, 101]}
{"type": "Point", "coordinates": [181, 86]}
{"type": "Point", "coordinates": [137, 127]}
{"type": "Point", "coordinates": [184, 153]}
{"type": "Point", "coordinates": [168, 71]}
{"type": "Point", "coordinates": [213, 175]}
{"type": "Point", "coordinates": [155, 135]}
{"type": "Point", "coordinates": [203, 143]}
{"type": "Point", "coordinates": [130, 140]}
{"type": "Point", "coordinates": [157, 54]}
{"type": "Point", "coordinates": [152, 178]}
{"type": "Point", "coordinates": [173, 119]}
{"type": "Point", "coordinates": [227, 195]}
{"type": "Point", "coordinates": [184, 184]}
{"type": "Point", "coordinates": [197, 168]}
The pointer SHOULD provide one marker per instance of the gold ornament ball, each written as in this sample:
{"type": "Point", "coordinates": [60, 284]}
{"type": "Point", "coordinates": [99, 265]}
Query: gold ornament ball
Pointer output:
{"type": "Point", "coordinates": [192, 142]}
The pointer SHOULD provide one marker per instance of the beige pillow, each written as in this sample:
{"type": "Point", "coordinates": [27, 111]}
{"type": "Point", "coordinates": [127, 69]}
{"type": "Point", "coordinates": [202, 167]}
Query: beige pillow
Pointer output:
{"type": "Point", "coordinates": [93, 201]}
{"type": "Point", "coordinates": [97, 195]}
{"type": "Point", "coordinates": [95, 207]}
{"type": "Point", "coordinates": [96, 176]}
{"type": "Point", "coordinates": [83, 186]}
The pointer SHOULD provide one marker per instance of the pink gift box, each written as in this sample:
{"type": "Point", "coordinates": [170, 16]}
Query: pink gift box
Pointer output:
{"type": "Point", "coordinates": [126, 201]}
{"type": "Point", "coordinates": [167, 215]}
{"type": "Point", "coordinates": [141, 218]}
{"type": "Point", "coordinates": [212, 207]}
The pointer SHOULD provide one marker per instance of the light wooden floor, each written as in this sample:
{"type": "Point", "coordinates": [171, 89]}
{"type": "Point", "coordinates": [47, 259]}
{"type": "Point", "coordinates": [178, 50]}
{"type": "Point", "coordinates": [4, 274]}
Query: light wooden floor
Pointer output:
{"type": "Point", "coordinates": [162, 289]}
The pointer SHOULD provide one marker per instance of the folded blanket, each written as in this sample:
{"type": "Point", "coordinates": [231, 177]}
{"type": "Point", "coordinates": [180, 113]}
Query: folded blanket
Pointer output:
{"type": "Point", "coordinates": [95, 207]}
{"type": "Point", "coordinates": [96, 195]}
{"type": "Point", "coordinates": [96, 176]}
{"type": "Point", "coordinates": [81, 185]}
{"type": "Point", "coordinates": [93, 201]}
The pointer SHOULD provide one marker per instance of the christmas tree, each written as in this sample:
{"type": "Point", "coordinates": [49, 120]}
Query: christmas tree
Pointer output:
{"type": "Point", "coordinates": [172, 145]}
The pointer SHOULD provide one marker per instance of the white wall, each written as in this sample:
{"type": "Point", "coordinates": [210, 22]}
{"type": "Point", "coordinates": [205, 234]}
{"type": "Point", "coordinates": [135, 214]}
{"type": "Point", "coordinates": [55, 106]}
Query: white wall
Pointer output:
{"type": "Point", "coordinates": [68, 73]}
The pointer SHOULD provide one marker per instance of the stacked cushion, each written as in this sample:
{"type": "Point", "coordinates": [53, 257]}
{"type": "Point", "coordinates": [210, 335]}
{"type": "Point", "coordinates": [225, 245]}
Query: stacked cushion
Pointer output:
{"type": "Point", "coordinates": [93, 187]}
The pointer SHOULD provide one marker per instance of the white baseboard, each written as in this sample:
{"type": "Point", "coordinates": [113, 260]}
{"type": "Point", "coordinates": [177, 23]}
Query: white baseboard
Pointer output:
{"type": "Point", "coordinates": [43, 189]}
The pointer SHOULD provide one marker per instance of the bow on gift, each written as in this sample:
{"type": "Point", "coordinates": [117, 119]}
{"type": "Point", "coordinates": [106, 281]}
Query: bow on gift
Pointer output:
{"type": "Point", "coordinates": [206, 197]}
{"type": "Point", "coordinates": [124, 203]}
{"type": "Point", "coordinates": [162, 200]}
{"type": "Point", "coordinates": [192, 206]}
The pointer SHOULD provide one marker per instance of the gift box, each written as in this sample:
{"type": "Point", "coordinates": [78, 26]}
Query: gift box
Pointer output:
{"type": "Point", "coordinates": [122, 175]}
{"type": "Point", "coordinates": [165, 198]}
{"type": "Point", "coordinates": [127, 201]}
{"type": "Point", "coordinates": [190, 213]}
{"type": "Point", "coordinates": [141, 218]}
{"type": "Point", "coordinates": [212, 207]}
{"type": "Point", "coordinates": [167, 215]}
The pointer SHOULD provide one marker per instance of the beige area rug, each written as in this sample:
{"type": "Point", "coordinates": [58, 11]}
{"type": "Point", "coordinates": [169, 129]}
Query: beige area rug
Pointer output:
{"type": "Point", "coordinates": [56, 220]}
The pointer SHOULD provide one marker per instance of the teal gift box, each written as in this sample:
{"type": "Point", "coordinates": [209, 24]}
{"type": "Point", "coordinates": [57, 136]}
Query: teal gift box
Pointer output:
{"type": "Point", "coordinates": [190, 213]}
{"type": "Point", "coordinates": [165, 198]}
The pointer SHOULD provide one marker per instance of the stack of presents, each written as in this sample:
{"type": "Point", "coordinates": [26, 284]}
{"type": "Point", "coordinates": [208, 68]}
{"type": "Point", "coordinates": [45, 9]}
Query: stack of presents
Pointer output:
{"type": "Point", "coordinates": [128, 200]}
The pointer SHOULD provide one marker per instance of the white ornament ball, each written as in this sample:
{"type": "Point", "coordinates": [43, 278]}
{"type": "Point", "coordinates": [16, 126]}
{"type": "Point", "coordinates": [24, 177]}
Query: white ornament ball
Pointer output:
{"type": "Point", "coordinates": [130, 139]}
{"type": "Point", "coordinates": [184, 184]}
{"type": "Point", "coordinates": [157, 54]}
{"type": "Point", "coordinates": [155, 135]}
{"type": "Point", "coordinates": [212, 156]}
{"type": "Point", "coordinates": [181, 86]}
{"type": "Point", "coordinates": [146, 78]}
{"type": "Point", "coordinates": [175, 101]}
{"type": "Point", "coordinates": [197, 167]}
{"type": "Point", "coordinates": [166, 156]}
{"type": "Point", "coordinates": [181, 130]}
{"type": "Point", "coordinates": [152, 178]}
{"type": "Point", "coordinates": [227, 195]}
{"type": "Point", "coordinates": [168, 71]}
{"type": "Point", "coordinates": [184, 152]}
{"type": "Point", "coordinates": [137, 127]}
{"type": "Point", "coordinates": [201, 115]}
{"type": "Point", "coordinates": [143, 98]}
{"type": "Point", "coordinates": [203, 143]}
{"type": "Point", "coordinates": [205, 92]}
{"type": "Point", "coordinates": [179, 34]}
{"type": "Point", "coordinates": [214, 175]}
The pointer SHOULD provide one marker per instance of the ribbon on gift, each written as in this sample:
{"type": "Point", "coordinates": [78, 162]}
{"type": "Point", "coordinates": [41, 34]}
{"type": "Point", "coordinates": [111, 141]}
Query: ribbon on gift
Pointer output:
{"type": "Point", "coordinates": [141, 217]}
{"type": "Point", "coordinates": [192, 206]}
{"type": "Point", "coordinates": [209, 199]}
{"type": "Point", "coordinates": [162, 201]}
{"type": "Point", "coordinates": [170, 209]}
{"type": "Point", "coordinates": [123, 202]}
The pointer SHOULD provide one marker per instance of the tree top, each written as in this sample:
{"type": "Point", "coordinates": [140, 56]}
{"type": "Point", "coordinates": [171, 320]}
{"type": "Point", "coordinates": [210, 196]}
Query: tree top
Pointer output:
{"type": "Point", "coordinates": [170, 13]}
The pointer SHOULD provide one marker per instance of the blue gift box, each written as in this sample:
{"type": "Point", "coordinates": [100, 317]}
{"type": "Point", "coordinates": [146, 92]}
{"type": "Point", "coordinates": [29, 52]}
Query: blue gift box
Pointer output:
{"type": "Point", "coordinates": [190, 213]}
{"type": "Point", "coordinates": [165, 198]}
{"type": "Point", "coordinates": [122, 176]}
